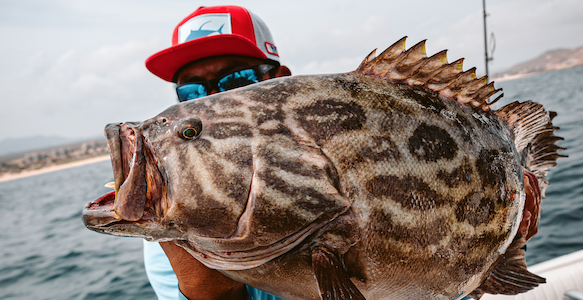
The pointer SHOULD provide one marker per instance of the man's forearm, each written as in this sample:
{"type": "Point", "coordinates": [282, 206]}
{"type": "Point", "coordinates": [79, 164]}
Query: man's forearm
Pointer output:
{"type": "Point", "coordinates": [196, 281]}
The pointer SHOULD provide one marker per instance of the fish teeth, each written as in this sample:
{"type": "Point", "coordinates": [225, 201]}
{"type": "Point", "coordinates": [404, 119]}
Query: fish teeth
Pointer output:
{"type": "Point", "coordinates": [110, 185]}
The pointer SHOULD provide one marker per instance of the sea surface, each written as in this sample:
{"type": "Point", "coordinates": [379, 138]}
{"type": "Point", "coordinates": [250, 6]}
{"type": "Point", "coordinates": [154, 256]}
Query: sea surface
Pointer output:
{"type": "Point", "coordinates": [47, 253]}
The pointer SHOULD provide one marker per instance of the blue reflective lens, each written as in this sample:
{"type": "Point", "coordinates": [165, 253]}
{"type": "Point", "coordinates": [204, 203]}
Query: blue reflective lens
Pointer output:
{"type": "Point", "coordinates": [190, 91]}
{"type": "Point", "coordinates": [238, 79]}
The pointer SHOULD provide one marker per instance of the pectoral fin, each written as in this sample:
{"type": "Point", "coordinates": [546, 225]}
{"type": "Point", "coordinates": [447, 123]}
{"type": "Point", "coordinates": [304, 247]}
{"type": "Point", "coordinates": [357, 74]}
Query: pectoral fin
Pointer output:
{"type": "Point", "coordinates": [510, 276]}
{"type": "Point", "coordinates": [332, 277]}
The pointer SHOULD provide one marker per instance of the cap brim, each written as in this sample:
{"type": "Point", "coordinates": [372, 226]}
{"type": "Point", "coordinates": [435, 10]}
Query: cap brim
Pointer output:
{"type": "Point", "coordinates": [167, 62]}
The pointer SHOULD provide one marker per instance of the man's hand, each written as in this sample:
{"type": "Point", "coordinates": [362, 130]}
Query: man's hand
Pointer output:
{"type": "Point", "coordinates": [196, 281]}
{"type": "Point", "coordinates": [531, 214]}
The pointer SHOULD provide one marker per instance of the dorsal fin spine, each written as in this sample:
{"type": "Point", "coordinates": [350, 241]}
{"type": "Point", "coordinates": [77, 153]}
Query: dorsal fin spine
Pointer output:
{"type": "Point", "coordinates": [461, 81]}
{"type": "Point", "coordinates": [428, 69]}
{"type": "Point", "coordinates": [388, 55]}
{"type": "Point", "coordinates": [495, 100]}
{"type": "Point", "coordinates": [445, 75]}
{"type": "Point", "coordinates": [414, 68]}
{"type": "Point", "coordinates": [485, 92]}
{"type": "Point", "coordinates": [368, 59]}
{"type": "Point", "coordinates": [472, 88]}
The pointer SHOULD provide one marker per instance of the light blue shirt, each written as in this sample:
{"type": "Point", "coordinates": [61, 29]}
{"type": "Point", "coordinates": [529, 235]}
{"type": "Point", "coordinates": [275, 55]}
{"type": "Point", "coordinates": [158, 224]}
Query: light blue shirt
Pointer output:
{"type": "Point", "coordinates": [164, 282]}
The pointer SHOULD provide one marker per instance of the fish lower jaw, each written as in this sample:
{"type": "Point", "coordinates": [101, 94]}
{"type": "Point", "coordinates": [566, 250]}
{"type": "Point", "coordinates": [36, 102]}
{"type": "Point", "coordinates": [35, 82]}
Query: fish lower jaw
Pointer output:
{"type": "Point", "coordinates": [101, 214]}
{"type": "Point", "coordinates": [247, 259]}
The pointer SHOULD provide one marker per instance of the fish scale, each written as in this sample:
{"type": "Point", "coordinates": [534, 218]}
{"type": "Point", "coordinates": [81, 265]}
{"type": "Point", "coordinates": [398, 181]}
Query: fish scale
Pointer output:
{"type": "Point", "coordinates": [394, 181]}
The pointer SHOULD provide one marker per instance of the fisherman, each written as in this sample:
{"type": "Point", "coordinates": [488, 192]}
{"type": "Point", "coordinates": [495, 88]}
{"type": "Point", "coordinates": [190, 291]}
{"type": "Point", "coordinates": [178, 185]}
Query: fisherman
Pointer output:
{"type": "Point", "coordinates": [213, 50]}
{"type": "Point", "coordinates": [216, 49]}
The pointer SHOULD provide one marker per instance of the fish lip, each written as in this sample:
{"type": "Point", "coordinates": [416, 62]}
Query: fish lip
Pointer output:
{"type": "Point", "coordinates": [103, 212]}
{"type": "Point", "coordinates": [100, 212]}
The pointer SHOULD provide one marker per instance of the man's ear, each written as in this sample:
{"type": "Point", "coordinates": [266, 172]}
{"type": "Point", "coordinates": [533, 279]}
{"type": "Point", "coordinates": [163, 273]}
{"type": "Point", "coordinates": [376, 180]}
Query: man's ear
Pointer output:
{"type": "Point", "coordinates": [282, 71]}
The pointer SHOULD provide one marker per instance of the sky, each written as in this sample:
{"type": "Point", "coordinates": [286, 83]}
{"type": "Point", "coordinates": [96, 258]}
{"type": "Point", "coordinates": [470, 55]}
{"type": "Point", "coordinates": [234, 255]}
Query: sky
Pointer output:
{"type": "Point", "coordinates": [69, 67]}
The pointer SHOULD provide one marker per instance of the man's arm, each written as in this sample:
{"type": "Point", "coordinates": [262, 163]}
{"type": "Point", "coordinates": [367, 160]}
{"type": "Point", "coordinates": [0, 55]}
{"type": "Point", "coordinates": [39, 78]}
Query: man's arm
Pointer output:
{"type": "Point", "coordinates": [196, 281]}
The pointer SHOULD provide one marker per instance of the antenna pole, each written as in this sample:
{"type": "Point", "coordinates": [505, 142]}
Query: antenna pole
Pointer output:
{"type": "Point", "coordinates": [485, 37]}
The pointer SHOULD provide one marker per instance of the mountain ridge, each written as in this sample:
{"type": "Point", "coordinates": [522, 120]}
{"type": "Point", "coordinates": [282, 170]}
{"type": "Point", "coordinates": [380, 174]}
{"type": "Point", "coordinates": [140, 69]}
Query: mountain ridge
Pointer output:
{"type": "Point", "coordinates": [551, 60]}
{"type": "Point", "coordinates": [11, 146]}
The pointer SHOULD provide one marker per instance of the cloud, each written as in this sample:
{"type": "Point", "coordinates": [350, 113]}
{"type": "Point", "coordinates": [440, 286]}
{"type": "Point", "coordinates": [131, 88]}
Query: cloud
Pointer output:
{"type": "Point", "coordinates": [525, 29]}
{"type": "Point", "coordinates": [70, 67]}
{"type": "Point", "coordinates": [78, 93]}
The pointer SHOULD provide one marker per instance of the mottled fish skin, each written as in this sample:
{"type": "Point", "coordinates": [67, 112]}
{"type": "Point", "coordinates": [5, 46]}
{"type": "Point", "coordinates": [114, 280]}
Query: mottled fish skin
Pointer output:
{"type": "Point", "coordinates": [398, 172]}
{"type": "Point", "coordinates": [435, 185]}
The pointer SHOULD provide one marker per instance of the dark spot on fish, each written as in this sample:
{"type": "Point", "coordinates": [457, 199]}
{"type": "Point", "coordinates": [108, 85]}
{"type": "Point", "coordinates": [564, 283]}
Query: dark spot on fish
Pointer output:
{"type": "Point", "coordinates": [476, 209]}
{"type": "Point", "coordinates": [240, 156]}
{"type": "Point", "coordinates": [262, 114]}
{"type": "Point", "coordinates": [491, 167]}
{"type": "Point", "coordinates": [277, 93]}
{"type": "Point", "coordinates": [210, 218]}
{"type": "Point", "coordinates": [459, 175]}
{"type": "Point", "coordinates": [203, 145]}
{"type": "Point", "coordinates": [227, 107]}
{"type": "Point", "coordinates": [411, 192]}
{"type": "Point", "coordinates": [376, 148]}
{"type": "Point", "coordinates": [279, 129]}
{"type": "Point", "coordinates": [375, 97]}
{"type": "Point", "coordinates": [327, 118]}
{"type": "Point", "coordinates": [306, 198]}
{"type": "Point", "coordinates": [291, 164]}
{"type": "Point", "coordinates": [477, 249]}
{"type": "Point", "coordinates": [332, 174]}
{"type": "Point", "coordinates": [491, 239]}
{"type": "Point", "coordinates": [234, 184]}
{"type": "Point", "coordinates": [349, 85]}
{"type": "Point", "coordinates": [385, 227]}
{"type": "Point", "coordinates": [428, 100]}
{"type": "Point", "coordinates": [271, 220]}
{"type": "Point", "coordinates": [230, 130]}
{"type": "Point", "coordinates": [465, 127]}
{"type": "Point", "coordinates": [431, 143]}
{"type": "Point", "coordinates": [382, 149]}
{"type": "Point", "coordinates": [239, 188]}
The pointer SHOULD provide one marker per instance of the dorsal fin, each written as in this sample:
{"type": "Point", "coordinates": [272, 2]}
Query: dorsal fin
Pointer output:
{"type": "Point", "coordinates": [530, 122]}
{"type": "Point", "coordinates": [533, 136]}
{"type": "Point", "coordinates": [414, 68]}
{"type": "Point", "coordinates": [509, 275]}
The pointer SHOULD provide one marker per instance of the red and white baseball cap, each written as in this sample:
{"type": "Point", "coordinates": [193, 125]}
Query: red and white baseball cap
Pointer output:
{"type": "Point", "coordinates": [212, 31]}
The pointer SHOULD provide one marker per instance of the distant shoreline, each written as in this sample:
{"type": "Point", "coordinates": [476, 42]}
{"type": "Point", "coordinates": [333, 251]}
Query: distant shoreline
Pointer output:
{"type": "Point", "coordinates": [512, 77]}
{"type": "Point", "coordinates": [28, 173]}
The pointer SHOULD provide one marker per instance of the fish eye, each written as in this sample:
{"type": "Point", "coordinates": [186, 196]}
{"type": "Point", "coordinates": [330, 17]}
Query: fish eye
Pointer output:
{"type": "Point", "coordinates": [190, 128]}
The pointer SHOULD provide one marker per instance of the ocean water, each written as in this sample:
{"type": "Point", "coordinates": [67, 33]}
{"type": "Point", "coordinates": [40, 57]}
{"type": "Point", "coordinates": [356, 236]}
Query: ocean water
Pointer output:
{"type": "Point", "coordinates": [561, 225]}
{"type": "Point", "coordinates": [47, 253]}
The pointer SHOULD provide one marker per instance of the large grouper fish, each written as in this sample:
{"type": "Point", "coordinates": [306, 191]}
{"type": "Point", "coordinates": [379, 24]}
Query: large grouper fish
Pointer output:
{"type": "Point", "coordinates": [395, 181]}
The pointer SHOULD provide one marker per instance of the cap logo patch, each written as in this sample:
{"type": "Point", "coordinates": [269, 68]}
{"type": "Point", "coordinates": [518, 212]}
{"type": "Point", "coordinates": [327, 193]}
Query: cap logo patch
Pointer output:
{"type": "Point", "coordinates": [204, 25]}
{"type": "Point", "coordinates": [271, 49]}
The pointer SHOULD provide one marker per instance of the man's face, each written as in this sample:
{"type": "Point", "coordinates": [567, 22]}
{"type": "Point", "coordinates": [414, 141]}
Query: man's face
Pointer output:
{"type": "Point", "coordinates": [215, 67]}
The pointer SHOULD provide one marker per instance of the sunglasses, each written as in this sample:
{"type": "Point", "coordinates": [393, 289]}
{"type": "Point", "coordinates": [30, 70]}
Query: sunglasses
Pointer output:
{"type": "Point", "coordinates": [194, 90]}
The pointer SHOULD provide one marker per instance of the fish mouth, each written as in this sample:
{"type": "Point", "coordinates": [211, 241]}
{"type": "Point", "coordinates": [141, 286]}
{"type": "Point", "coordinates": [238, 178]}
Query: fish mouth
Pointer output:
{"type": "Point", "coordinates": [139, 196]}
